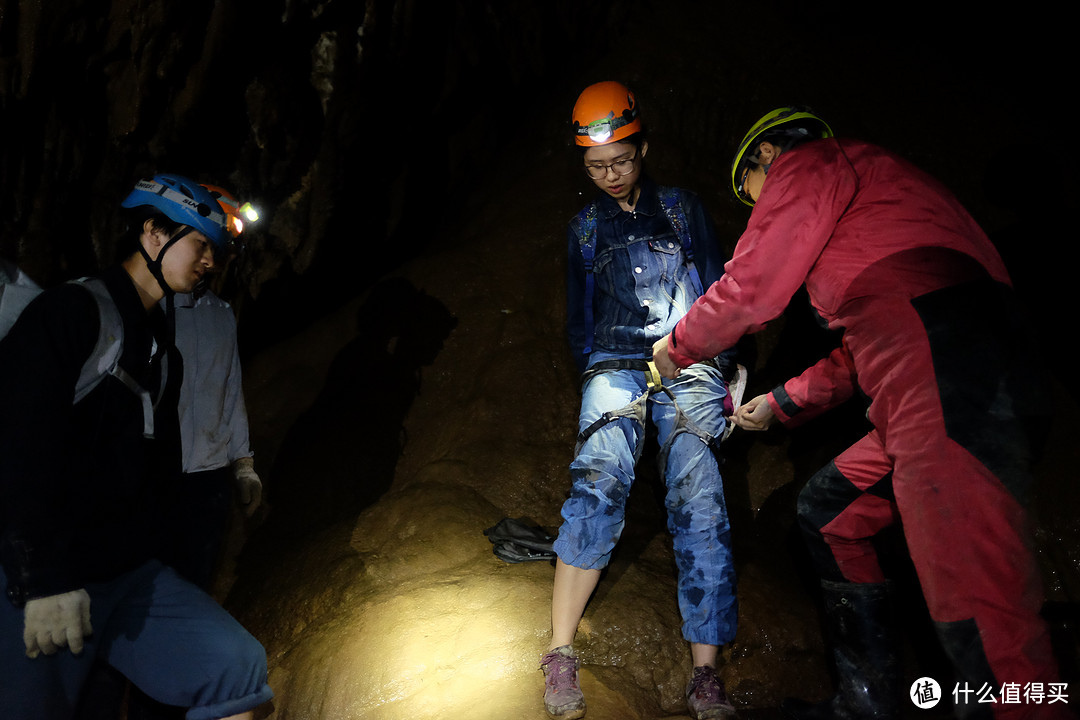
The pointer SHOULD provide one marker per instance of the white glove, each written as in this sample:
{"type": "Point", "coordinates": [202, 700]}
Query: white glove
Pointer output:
{"type": "Point", "coordinates": [248, 484]}
{"type": "Point", "coordinates": [57, 621]}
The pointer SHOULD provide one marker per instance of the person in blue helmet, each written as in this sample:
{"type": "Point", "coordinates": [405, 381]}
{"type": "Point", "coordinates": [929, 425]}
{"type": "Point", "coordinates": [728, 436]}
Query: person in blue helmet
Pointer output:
{"type": "Point", "coordinates": [84, 483]}
{"type": "Point", "coordinates": [216, 459]}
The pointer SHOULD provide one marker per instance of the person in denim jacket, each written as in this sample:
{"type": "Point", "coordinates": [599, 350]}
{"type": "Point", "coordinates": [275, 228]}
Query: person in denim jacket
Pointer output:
{"type": "Point", "coordinates": [642, 283]}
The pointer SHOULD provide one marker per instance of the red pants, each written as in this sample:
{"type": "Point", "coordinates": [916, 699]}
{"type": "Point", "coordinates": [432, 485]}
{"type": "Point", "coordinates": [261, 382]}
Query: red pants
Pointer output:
{"type": "Point", "coordinates": [948, 458]}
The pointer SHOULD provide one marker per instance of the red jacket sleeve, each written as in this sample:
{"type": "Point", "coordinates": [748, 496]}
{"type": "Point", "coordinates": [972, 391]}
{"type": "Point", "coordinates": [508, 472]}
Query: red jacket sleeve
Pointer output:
{"type": "Point", "coordinates": [806, 192]}
{"type": "Point", "coordinates": [828, 383]}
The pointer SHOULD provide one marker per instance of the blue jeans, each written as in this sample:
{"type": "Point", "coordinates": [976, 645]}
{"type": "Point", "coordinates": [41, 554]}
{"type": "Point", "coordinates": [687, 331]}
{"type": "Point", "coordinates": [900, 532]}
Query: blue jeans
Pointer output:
{"type": "Point", "coordinates": [603, 472]}
{"type": "Point", "coordinates": [171, 639]}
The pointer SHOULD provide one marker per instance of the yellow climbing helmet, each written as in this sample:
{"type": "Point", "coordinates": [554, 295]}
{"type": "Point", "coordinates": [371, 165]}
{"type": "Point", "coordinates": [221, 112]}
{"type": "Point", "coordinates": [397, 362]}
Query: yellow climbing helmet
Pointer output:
{"type": "Point", "coordinates": [795, 123]}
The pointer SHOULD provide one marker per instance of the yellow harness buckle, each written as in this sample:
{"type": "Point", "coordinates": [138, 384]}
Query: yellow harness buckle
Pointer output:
{"type": "Point", "coordinates": [653, 378]}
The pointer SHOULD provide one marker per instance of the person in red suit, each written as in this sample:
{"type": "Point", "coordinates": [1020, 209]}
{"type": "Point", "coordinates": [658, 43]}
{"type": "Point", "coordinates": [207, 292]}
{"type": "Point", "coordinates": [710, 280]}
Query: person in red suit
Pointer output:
{"type": "Point", "coordinates": [933, 338]}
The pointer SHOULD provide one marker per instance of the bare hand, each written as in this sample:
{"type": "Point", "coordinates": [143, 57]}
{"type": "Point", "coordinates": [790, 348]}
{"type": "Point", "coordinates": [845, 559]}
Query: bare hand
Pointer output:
{"type": "Point", "coordinates": [755, 414]}
{"type": "Point", "coordinates": [663, 361]}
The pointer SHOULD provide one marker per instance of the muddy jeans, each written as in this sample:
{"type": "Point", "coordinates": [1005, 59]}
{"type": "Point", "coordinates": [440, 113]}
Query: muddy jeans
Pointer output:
{"type": "Point", "coordinates": [603, 473]}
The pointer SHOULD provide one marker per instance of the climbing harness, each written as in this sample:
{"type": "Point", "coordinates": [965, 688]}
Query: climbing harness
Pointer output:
{"type": "Point", "coordinates": [636, 409]}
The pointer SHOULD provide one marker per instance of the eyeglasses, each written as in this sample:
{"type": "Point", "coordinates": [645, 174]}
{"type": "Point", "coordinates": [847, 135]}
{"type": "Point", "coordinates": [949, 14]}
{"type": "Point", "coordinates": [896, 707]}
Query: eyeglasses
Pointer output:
{"type": "Point", "coordinates": [742, 183]}
{"type": "Point", "coordinates": [621, 167]}
{"type": "Point", "coordinates": [742, 180]}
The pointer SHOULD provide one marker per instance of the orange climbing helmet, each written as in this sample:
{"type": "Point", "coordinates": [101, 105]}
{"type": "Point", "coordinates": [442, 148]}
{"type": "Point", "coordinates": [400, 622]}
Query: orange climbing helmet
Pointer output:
{"type": "Point", "coordinates": [604, 113]}
{"type": "Point", "coordinates": [235, 213]}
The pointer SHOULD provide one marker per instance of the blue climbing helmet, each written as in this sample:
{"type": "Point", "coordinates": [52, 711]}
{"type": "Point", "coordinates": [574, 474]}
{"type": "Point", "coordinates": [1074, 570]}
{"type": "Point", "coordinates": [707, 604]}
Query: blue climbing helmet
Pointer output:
{"type": "Point", "coordinates": [183, 201]}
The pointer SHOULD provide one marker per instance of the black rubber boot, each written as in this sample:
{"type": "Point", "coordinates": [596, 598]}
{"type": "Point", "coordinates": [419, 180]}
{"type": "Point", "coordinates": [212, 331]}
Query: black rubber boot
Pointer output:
{"type": "Point", "coordinates": [963, 644]}
{"type": "Point", "coordinates": [860, 627]}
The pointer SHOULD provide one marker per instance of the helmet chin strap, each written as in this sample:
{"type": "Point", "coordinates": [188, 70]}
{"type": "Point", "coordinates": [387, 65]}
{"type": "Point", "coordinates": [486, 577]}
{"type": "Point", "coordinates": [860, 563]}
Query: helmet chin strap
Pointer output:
{"type": "Point", "coordinates": [154, 266]}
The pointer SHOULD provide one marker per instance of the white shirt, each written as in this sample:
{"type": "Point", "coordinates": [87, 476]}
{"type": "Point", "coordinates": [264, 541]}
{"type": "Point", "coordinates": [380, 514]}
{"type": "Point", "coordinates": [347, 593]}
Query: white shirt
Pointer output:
{"type": "Point", "coordinates": [213, 418]}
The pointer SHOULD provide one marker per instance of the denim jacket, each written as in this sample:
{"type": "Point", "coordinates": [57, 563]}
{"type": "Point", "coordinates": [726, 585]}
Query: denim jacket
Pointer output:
{"type": "Point", "coordinates": [642, 284]}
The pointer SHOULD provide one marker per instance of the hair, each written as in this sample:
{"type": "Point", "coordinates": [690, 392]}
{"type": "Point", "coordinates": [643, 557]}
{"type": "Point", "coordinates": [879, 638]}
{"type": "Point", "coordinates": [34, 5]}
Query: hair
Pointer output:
{"type": "Point", "coordinates": [787, 137]}
{"type": "Point", "coordinates": [128, 244]}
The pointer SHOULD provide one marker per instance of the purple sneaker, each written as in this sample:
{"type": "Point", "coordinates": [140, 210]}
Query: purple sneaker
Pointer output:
{"type": "Point", "coordinates": [562, 694]}
{"type": "Point", "coordinates": [705, 696]}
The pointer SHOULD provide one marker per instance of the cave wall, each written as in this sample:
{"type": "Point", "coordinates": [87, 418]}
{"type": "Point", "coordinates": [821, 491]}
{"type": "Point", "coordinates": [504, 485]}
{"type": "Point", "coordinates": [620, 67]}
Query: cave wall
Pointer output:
{"type": "Point", "coordinates": [367, 131]}
{"type": "Point", "coordinates": [348, 123]}
{"type": "Point", "coordinates": [342, 121]}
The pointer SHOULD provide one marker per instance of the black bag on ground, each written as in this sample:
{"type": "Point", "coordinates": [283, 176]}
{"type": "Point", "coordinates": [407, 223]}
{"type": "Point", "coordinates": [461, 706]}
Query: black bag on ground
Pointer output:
{"type": "Point", "coordinates": [515, 540]}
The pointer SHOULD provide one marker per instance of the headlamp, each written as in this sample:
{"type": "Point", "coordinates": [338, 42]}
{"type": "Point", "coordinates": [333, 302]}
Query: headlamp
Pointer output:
{"type": "Point", "coordinates": [600, 130]}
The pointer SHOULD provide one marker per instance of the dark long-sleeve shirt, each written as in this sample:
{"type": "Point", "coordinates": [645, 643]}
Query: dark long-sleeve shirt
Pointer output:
{"type": "Point", "coordinates": [80, 486]}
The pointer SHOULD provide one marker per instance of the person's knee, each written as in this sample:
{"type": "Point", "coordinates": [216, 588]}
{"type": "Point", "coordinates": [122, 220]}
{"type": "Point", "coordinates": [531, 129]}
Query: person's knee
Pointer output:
{"type": "Point", "coordinates": [236, 669]}
{"type": "Point", "coordinates": [245, 658]}
{"type": "Point", "coordinates": [697, 504]}
{"type": "Point", "coordinates": [814, 506]}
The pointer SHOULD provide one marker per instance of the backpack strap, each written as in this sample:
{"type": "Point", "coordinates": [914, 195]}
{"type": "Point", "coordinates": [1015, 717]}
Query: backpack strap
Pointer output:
{"type": "Point", "coordinates": [13, 300]}
{"type": "Point", "coordinates": [104, 360]}
{"type": "Point", "coordinates": [584, 225]}
{"type": "Point", "coordinates": [671, 202]}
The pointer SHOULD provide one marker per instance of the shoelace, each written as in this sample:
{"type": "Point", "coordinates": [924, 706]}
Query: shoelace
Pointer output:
{"type": "Point", "coordinates": [560, 671]}
{"type": "Point", "coordinates": [705, 686]}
